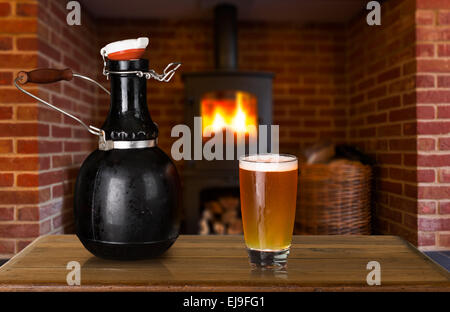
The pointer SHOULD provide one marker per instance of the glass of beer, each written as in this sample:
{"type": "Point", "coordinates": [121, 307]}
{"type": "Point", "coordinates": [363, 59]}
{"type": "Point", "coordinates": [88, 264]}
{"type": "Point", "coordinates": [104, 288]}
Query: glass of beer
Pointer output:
{"type": "Point", "coordinates": [268, 190]}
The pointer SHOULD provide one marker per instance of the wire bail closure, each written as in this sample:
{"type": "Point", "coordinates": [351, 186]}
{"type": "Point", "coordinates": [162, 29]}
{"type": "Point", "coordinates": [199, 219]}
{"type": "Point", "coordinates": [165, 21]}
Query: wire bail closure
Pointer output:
{"type": "Point", "coordinates": [166, 76]}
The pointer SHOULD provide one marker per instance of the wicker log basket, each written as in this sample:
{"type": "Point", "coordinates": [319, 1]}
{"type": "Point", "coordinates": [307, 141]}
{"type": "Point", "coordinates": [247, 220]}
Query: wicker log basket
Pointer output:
{"type": "Point", "coordinates": [334, 198]}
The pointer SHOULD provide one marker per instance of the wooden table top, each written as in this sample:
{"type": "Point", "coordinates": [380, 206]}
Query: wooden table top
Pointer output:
{"type": "Point", "coordinates": [220, 263]}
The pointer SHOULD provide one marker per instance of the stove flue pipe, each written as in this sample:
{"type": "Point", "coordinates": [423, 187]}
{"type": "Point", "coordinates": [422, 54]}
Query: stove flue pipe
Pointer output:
{"type": "Point", "coordinates": [225, 37]}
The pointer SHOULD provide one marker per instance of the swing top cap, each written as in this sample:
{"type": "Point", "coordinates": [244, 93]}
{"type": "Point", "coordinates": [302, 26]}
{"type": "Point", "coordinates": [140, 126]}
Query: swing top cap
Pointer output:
{"type": "Point", "coordinates": [128, 49]}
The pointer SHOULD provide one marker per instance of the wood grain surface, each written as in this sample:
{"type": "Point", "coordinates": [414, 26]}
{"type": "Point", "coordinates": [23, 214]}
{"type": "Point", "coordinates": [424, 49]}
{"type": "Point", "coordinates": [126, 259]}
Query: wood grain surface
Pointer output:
{"type": "Point", "coordinates": [220, 263]}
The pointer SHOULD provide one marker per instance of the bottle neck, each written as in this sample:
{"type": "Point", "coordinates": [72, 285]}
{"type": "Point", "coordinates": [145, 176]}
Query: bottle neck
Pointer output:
{"type": "Point", "coordinates": [129, 118]}
{"type": "Point", "coordinates": [128, 95]}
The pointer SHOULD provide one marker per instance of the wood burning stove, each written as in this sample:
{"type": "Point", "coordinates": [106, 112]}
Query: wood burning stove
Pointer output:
{"type": "Point", "coordinates": [225, 98]}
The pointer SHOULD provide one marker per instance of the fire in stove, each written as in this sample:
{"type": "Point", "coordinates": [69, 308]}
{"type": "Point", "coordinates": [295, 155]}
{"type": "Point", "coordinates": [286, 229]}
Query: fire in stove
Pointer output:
{"type": "Point", "coordinates": [229, 110]}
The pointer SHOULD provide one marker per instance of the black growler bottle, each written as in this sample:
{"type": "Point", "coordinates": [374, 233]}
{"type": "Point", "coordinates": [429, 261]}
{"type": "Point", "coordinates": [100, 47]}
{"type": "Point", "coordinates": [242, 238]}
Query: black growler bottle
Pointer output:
{"type": "Point", "coordinates": [127, 198]}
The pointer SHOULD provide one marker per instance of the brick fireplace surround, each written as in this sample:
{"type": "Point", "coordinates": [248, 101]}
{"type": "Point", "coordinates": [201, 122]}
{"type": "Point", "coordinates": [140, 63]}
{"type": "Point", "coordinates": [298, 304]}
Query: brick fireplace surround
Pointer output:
{"type": "Point", "coordinates": [383, 88]}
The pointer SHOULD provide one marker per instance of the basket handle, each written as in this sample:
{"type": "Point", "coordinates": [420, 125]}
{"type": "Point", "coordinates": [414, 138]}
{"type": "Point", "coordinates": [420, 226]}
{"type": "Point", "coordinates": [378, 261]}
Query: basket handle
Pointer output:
{"type": "Point", "coordinates": [50, 75]}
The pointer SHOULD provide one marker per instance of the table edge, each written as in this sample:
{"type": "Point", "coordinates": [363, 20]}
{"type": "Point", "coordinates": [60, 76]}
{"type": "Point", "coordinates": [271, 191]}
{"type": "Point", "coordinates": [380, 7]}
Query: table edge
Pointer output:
{"type": "Point", "coordinates": [438, 267]}
{"type": "Point", "coordinates": [234, 289]}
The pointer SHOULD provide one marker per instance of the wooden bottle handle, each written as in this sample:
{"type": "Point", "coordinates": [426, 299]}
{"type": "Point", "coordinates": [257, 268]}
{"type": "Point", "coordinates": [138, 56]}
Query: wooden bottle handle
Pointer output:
{"type": "Point", "coordinates": [45, 75]}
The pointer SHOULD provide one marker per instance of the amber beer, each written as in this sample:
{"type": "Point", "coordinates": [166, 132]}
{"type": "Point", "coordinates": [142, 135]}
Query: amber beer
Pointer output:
{"type": "Point", "coordinates": [268, 187]}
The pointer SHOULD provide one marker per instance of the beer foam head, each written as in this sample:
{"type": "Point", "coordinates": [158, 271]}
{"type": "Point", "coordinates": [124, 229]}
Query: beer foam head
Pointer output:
{"type": "Point", "coordinates": [268, 162]}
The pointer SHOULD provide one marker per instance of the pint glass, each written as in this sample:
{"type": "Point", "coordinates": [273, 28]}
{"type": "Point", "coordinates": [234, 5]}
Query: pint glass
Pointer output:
{"type": "Point", "coordinates": [268, 190]}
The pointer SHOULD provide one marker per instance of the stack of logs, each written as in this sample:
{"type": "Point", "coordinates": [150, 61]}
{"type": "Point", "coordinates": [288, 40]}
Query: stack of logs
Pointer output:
{"type": "Point", "coordinates": [221, 216]}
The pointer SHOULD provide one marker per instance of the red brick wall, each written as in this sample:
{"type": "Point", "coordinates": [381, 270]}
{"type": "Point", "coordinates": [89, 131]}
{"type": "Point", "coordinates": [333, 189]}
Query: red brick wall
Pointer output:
{"type": "Point", "coordinates": [309, 90]}
{"type": "Point", "coordinates": [381, 78]}
{"type": "Point", "coordinates": [18, 28]}
{"type": "Point", "coordinates": [65, 143]}
{"type": "Point", "coordinates": [41, 150]}
{"type": "Point", "coordinates": [433, 126]}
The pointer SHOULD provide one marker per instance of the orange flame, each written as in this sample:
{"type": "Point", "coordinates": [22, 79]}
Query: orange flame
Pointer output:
{"type": "Point", "coordinates": [235, 114]}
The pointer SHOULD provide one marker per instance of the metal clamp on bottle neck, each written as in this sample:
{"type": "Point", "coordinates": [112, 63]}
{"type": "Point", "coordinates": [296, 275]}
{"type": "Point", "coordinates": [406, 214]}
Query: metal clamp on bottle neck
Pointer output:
{"type": "Point", "coordinates": [107, 145]}
{"type": "Point", "coordinates": [167, 74]}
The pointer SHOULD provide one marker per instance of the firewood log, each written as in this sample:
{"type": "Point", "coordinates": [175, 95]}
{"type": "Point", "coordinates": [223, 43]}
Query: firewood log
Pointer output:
{"type": "Point", "coordinates": [214, 207]}
{"type": "Point", "coordinates": [207, 215]}
{"type": "Point", "coordinates": [229, 202]}
{"type": "Point", "coordinates": [235, 227]}
{"type": "Point", "coordinates": [229, 216]}
{"type": "Point", "coordinates": [219, 228]}
{"type": "Point", "coordinates": [204, 227]}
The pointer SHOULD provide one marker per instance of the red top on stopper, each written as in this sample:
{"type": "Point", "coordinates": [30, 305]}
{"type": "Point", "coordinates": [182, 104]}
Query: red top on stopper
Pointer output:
{"type": "Point", "coordinates": [125, 49]}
